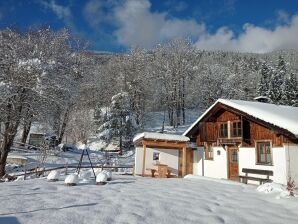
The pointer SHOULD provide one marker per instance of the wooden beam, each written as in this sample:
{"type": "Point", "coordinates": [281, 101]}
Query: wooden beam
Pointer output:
{"type": "Point", "coordinates": [161, 144]}
{"type": "Point", "coordinates": [144, 159]}
{"type": "Point", "coordinates": [183, 161]}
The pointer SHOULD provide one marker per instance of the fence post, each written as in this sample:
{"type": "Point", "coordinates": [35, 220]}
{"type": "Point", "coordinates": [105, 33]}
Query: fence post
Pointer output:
{"type": "Point", "coordinates": [66, 166]}
{"type": "Point", "coordinates": [25, 170]}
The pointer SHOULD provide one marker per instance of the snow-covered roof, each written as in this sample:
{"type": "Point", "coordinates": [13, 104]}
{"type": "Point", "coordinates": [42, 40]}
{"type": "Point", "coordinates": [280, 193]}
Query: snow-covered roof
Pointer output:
{"type": "Point", "coordinates": [285, 117]}
{"type": "Point", "coordinates": [160, 136]}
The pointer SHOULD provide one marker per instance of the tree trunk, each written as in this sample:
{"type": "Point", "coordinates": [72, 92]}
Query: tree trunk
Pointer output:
{"type": "Point", "coordinates": [10, 128]}
{"type": "Point", "coordinates": [26, 130]}
{"type": "Point", "coordinates": [64, 124]}
{"type": "Point", "coordinates": [5, 148]}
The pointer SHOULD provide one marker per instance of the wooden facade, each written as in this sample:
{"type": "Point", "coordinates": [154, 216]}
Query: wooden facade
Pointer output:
{"type": "Point", "coordinates": [252, 129]}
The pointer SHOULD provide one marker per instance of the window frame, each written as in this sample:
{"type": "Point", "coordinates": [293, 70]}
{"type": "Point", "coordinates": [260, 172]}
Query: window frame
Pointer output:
{"type": "Point", "coordinates": [258, 155]}
{"type": "Point", "coordinates": [209, 155]}
{"type": "Point", "coordinates": [232, 129]}
{"type": "Point", "coordinates": [219, 130]}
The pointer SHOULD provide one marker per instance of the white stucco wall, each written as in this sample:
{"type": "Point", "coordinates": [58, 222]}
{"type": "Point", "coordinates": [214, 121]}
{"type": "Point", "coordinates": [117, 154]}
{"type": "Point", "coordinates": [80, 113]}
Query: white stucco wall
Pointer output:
{"type": "Point", "coordinates": [247, 159]}
{"type": "Point", "coordinates": [292, 161]}
{"type": "Point", "coordinates": [216, 168]}
{"type": "Point", "coordinates": [169, 157]}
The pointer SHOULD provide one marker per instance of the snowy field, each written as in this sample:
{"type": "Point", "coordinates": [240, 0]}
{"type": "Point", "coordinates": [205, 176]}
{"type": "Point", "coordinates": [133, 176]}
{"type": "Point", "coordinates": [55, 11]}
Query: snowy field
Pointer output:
{"type": "Point", "coordinates": [128, 199]}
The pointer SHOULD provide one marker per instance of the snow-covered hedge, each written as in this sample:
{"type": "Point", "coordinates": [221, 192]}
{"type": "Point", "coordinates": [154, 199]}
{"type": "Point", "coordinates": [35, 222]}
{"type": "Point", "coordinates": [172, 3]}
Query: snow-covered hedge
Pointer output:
{"type": "Point", "coordinates": [71, 180]}
{"type": "Point", "coordinates": [53, 175]}
{"type": "Point", "coordinates": [109, 174]}
{"type": "Point", "coordinates": [101, 178]}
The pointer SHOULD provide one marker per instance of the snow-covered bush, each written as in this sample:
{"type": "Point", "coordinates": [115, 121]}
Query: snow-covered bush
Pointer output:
{"type": "Point", "coordinates": [270, 188]}
{"type": "Point", "coordinates": [53, 175]}
{"type": "Point", "coordinates": [291, 186]}
{"type": "Point", "coordinates": [101, 178]}
{"type": "Point", "coordinates": [71, 180]}
{"type": "Point", "coordinates": [97, 171]}
{"type": "Point", "coordinates": [109, 174]}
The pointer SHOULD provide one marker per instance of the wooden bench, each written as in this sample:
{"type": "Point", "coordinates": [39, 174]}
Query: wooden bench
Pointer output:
{"type": "Point", "coordinates": [247, 171]}
{"type": "Point", "coordinates": [153, 171]}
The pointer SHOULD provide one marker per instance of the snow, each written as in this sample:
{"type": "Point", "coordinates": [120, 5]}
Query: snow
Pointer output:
{"type": "Point", "coordinates": [280, 191]}
{"type": "Point", "coordinates": [271, 188]}
{"type": "Point", "coordinates": [101, 177]}
{"type": "Point", "coordinates": [53, 175]}
{"type": "Point", "coordinates": [285, 117]}
{"type": "Point", "coordinates": [108, 173]}
{"type": "Point", "coordinates": [128, 199]}
{"type": "Point", "coordinates": [85, 175]}
{"type": "Point", "coordinates": [71, 179]}
{"type": "Point", "coordinates": [160, 136]}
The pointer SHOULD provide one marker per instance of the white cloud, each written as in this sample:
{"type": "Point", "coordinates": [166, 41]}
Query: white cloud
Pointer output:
{"type": "Point", "coordinates": [252, 39]}
{"type": "Point", "coordinates": [137, 25]}
{"type": "Point", "coordinates": [97, 12]}
{"type": "Point", "coordinates": [62, 12]}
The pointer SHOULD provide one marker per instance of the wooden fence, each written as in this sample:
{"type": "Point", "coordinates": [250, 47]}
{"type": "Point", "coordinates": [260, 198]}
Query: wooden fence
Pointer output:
{"type": "Point", "coordinates": [39, 172]}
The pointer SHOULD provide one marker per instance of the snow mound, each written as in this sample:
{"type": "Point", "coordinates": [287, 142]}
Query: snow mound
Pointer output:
{"type": "Point", "coordinates": [53, 175]}
{"type": "Point", "coordinates": [270, 188]}
{"type": "Point", "coordinates": [71, 179]}
{"type": "Point", "coordinates": [97, 171]}
{"type": "Point", "coordinates": [101, 178]}
{"type": "Point", "coordinates": [108, 173]}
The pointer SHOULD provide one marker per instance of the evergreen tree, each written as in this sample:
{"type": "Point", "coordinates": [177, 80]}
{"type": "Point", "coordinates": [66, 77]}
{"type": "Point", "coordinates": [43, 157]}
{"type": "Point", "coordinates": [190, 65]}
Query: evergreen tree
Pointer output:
{"type": "Point", "coordinates": [120, 124]}
{"type": "Point", "coordinates": [263, 85]}
{"type": "Point", "coordinates": [290, 91]}
{"type": "Point", "coordinates": [276, 82]}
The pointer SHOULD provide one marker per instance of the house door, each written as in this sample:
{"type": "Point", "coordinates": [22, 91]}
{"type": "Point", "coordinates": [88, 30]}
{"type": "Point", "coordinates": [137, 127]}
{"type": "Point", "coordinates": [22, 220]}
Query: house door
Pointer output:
{"type": "Point", "coordinates": [233, 163]}
{"type": "Point", "coordinates": [189, 162]}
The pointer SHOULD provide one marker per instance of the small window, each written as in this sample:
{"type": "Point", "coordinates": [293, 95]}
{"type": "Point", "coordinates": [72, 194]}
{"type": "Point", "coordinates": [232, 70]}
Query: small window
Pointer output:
{"type": "Point", "coordinates": [223, 130]}
{"type": "Point", "coordinates": [264, 155]}
{"type": "Point", "coordinates": [236, 129]}
{"type": "Point", "coordinates": [209, 152]}
{"type": "Point", "coordinates": [155, 156]}
{"type": "Point", "coordinates": [234, 156]}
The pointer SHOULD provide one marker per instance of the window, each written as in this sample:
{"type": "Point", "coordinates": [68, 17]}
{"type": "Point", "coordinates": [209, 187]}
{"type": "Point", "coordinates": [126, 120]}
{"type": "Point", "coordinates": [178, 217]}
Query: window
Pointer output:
{"type": "Point", "coordinates": [209, 151]}
{"type": "Point", "coordinates": [234, 156]}
{"type": "Point", "coordinates": [236, 129]}
{"type": "Point", "coordinates": [155, 156]}
{"type": "Point", "coordinates": [223, 130]}
{"type": "Point", "coordinates": [264, 153]}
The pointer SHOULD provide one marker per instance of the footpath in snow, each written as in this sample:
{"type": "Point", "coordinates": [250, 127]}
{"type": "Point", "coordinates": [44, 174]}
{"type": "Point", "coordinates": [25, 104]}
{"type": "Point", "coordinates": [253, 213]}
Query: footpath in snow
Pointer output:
{"type": "Point", "coordinates": [128, 199]}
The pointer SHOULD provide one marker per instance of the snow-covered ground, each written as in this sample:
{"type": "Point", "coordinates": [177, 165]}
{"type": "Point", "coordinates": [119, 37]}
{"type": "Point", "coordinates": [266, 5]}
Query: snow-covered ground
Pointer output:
{"type": "Point", "coordinates": [128, 199]}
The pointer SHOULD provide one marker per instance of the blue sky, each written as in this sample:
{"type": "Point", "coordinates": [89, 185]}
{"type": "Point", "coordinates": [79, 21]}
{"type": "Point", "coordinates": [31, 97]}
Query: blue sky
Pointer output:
{"type": "Point", "coordinates": [115, 25]}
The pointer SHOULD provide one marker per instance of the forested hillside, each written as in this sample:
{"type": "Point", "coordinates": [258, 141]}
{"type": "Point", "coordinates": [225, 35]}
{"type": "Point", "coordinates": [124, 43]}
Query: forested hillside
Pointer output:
{"type": "Point", "coordinates": [50, 77]}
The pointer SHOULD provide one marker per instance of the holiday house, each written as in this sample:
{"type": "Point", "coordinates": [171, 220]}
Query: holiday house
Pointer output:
{"type": "Point", "coordinates": [232, 136]}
